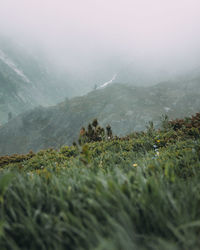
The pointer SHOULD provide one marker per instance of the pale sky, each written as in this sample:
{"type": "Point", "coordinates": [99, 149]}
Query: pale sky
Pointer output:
{"type": "Point", "coordinates": [158, 31]}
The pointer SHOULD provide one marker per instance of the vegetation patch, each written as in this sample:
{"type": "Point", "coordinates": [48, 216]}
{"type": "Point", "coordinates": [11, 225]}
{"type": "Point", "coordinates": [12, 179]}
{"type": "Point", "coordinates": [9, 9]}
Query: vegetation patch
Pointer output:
{"type": "Point", "coordinates": [140, 191]}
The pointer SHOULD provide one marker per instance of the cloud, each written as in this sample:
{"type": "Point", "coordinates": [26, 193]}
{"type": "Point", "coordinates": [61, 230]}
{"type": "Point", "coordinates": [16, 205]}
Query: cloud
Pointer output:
{"type": "Point", "coordinates": [156, 31]}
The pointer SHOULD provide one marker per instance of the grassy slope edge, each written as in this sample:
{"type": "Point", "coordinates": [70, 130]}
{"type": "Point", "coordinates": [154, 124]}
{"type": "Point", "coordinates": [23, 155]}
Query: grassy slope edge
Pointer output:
{"type": "Point", "coordinates": [137, 192]}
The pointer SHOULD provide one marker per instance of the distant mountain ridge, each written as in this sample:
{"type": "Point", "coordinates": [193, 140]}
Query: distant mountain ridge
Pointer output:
{"type": "Point", "coordinates": [125, 108]}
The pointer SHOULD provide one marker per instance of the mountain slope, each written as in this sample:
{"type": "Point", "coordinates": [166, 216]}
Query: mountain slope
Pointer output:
{"type": "Point", "coordinates": [126, 108]}
{"type": "Point", "coordinates": [14, 88]}
{"type": "Point", "coordinates": [27, 79]}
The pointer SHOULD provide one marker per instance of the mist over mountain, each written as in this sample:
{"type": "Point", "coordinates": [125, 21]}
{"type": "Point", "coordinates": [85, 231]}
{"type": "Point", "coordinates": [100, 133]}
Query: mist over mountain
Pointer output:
{"type": "Point", "coordinates": [126, 108]}
{"type": "Point", "coordinates": [142, 42]}
{"type": "Point", "coordinates": [28, 79]}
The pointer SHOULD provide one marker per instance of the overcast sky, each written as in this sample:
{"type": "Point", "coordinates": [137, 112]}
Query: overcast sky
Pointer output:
{"type": "Point", "coordinates": [162, 32]}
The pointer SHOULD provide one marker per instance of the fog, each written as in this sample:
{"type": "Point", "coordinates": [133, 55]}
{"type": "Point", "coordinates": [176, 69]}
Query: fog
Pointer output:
{"type": "Point", "coordinates": [99, 35]}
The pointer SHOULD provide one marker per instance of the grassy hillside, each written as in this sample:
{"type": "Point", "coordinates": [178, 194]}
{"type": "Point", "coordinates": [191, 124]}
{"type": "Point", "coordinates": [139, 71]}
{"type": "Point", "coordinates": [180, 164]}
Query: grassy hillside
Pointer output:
{"type": "Point", "coordinates": [136, 192]}
{"type": "Point", "coordinates": [125, 108]}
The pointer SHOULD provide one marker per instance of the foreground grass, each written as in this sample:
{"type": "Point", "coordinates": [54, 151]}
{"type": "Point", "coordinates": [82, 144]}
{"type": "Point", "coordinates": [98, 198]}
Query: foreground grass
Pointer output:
{"type": "Point", "coordinates": [142, 192]}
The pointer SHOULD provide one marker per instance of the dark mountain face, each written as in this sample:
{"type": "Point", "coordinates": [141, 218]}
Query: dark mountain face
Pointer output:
{"type": "Point", "coordinates": [125, 108]}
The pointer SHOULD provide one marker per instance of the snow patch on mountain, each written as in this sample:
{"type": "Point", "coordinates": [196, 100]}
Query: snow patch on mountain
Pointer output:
{"type": "Point", "coordinates": [13, 66]}
{"type": "Point", "coordinates": [106, 83]}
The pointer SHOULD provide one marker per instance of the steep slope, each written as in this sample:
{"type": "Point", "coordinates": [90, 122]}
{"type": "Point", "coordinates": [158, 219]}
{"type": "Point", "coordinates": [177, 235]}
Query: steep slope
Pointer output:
{"type": "Point", "coordinates": [26, 80]}
{"type": "Point", "coordinates": [126, 108]}
{"type": "Point", "coordinates": [14, 88]}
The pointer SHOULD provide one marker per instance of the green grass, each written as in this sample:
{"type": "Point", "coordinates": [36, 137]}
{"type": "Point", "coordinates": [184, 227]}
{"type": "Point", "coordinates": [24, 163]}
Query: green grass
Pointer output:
{"type": "Point", "coordinates": [142, 192]}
